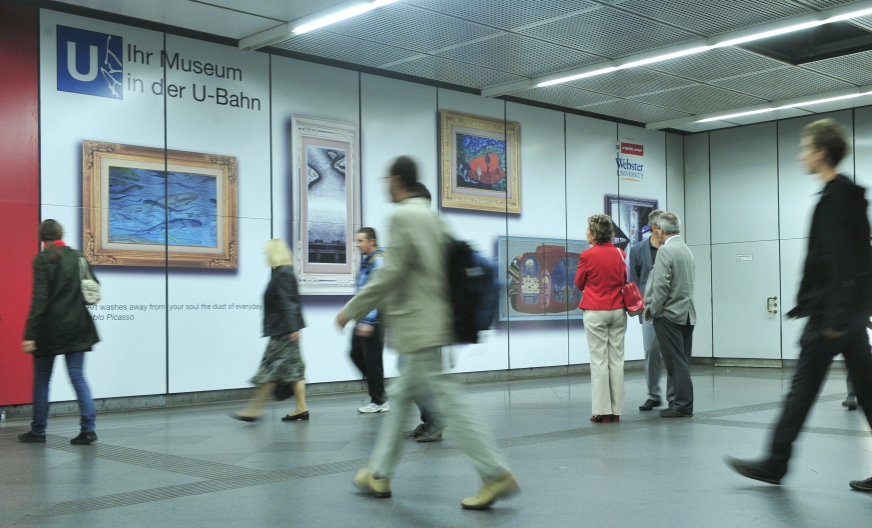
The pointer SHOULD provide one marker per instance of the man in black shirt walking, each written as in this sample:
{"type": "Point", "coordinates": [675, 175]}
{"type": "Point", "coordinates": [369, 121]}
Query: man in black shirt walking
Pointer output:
{"type": "Point", "coordinates": [835, 295]}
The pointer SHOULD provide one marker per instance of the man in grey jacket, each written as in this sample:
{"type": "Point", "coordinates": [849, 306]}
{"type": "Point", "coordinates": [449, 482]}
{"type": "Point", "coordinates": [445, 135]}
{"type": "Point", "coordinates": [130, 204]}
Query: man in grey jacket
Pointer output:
{"type": "Point", "coordinates": [641, 261]}
{"type": "Point", "coordinates": [411, 291]}
{"type": "Point", "coordinates": [669, 303]}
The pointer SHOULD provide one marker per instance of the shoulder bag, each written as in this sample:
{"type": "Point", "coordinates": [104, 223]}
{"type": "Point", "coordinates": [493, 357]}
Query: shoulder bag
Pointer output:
{"type": "Point", "coordinates": [634, 303]}
{"type": "Point", "coordinates": [90, 286]}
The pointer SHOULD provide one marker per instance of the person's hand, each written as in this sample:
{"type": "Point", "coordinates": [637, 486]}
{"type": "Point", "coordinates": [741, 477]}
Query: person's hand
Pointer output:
{"type": "Point", "coordinates": [341, 319]}
{"type": "Point", "coordinates": [294, 336]}
{"type": "Point", "coordinates": [364, 330]}
{"type": "Point", "coordinates": [829, 333]}
{"type": "Point", "coordinates": [29, 347]}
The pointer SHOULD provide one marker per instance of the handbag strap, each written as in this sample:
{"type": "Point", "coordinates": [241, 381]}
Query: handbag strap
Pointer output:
{"type": "Point", "coordinates": [622, 264]}
{"type": "Point", "coordinates": [84, 269]}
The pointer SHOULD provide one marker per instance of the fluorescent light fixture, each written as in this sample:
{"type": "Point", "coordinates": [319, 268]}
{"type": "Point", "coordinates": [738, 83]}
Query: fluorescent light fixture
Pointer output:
{"type": "Point", "coordinates": [576, 77]}
{"type": "Point", "coordinates": [846, 16]}
{"type": "Point", "coordinates": [767, 34]}
{"type": "Point", "coordinates": [684, 53]}
{"type": "Point", "coordinates": [783, 107]}
{"type": "Point", "coordinates": [339, 16]}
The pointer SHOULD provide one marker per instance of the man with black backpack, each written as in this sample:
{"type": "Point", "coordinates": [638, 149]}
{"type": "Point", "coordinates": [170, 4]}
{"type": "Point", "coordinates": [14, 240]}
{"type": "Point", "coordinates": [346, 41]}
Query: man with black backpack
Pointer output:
{"type": "Point", "coordinates": [411, 291]}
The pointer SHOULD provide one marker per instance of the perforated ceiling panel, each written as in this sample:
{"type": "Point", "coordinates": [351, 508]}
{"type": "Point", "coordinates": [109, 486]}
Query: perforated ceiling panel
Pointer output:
{"type": "Point", "coordinates": [505, 14]}
{"type": "Point", "coordinates": [700, 99]}
{"type": "Point", "coordinates": [785, 83]}
{"type": "Point", "coordinates": [717, 64]}
{"type": "Point", "coordinates": [719, 16]}
{"type": "Point", "coordinates": [826, 4]}
{"type": "Point", "coordinates": [609, 33]}
{"type": "Point", "coordinates": [411, 28]}
{"type": "Point", "coordinates": [636, 81]}
{"type": "Point", "coordinates": [863, 22]}
{"type": "Point", "coordinates": [855, 68]}
{"type": "Point", "coordinates": [563, 95]}
{"type": "Point", "coordinates": [634, 111]}
{"type": "Point", "coordinates": [454, 72]}
{"type": "Point", "coordinates": [348, 49]}
{"type": "Point", "coordinates": [524, 56]}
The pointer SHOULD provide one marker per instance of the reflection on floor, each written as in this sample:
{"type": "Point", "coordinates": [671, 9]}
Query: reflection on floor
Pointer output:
{"type": "Point", "coordinates": [195, 466]}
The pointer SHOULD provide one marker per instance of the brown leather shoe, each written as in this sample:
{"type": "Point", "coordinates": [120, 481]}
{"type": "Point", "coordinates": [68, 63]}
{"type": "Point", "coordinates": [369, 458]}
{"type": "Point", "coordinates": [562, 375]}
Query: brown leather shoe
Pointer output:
{"type": "Point", "coordinates": [491, 491]}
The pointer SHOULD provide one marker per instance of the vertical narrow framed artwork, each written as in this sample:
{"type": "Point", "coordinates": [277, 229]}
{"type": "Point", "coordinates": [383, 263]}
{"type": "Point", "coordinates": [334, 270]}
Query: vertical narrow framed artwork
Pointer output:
{"type": "Point", "coordinates": [480, 163]}
{"type": "Point", "coordinates": [145, 206]}
{"type": "Point", "coordinates": [629, 218]}
{"type": "Point", "coordinates": [539, 278]}
{"type": "Point", "coordinates": [326, 197]}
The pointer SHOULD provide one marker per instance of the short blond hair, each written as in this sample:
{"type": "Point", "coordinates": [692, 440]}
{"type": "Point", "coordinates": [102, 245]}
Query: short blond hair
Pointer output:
{"type": "Point", "coordinates": [278, 253]}
{"type": "Point", "coordinates": [601, 228]}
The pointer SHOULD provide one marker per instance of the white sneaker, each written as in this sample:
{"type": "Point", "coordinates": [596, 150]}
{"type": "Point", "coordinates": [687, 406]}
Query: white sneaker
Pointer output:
{"type": "Point", "coordinates": [370, 408]}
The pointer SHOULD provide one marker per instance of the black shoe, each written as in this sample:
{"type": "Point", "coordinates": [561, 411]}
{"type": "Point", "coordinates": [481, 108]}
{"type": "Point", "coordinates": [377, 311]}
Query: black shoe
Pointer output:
{"type": "Point", "coordinates": [756, 470]}
{"type": "Point", "coordinates": [672, 413]}
{"type": "Point", "coordinates": [30, 438]}
{"type": "Point", "coordinates": [243, 418]}
{"type": "Point", "coordinates": [294, 417]}
{"type": "Point", "coordinates": [431, 434]}
{"type": "Point", "coordinates": [862, 485]}
{"type": "Point", "coordinates": [850, 402]}
{"type": "Point", "coordinates": [84, 438]}
{"type": "Point", "coordinates": [650, 404]}
{"type": "Point", "coordinates": [421, 430]}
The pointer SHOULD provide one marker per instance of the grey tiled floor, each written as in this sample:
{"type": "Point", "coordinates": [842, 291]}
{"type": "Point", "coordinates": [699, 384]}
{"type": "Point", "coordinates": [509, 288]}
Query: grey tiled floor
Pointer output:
{"type": "Point", "coordinates": [195, 466]}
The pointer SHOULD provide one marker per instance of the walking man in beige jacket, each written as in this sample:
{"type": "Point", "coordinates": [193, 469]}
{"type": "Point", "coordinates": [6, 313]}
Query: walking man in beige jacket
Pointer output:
{"type": "Point", "coordinates": [411, 292]}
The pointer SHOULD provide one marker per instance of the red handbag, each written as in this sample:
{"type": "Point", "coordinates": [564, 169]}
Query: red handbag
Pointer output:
{"type": "Point", "coordinates": [634, 303]}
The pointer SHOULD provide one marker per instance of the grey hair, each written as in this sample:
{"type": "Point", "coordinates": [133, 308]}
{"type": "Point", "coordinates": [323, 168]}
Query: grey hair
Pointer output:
{"type": "Point", "coordinates": [669, 223]}
{"type": "Point", "coordinates": [654, 215]}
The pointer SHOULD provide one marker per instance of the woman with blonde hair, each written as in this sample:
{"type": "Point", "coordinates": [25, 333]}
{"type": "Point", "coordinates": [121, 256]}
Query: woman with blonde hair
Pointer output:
{"type": "Point", "coordinates": [601, 276]}
{"type": "Point", "coordinates": [282, 322]}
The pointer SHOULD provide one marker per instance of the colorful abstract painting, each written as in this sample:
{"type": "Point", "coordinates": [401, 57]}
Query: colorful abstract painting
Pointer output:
{"type": "Point", "coordinates": [481, 162]}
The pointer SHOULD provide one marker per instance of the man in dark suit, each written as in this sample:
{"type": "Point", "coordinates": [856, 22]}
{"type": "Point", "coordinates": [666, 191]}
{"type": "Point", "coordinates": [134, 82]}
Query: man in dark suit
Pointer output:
{"type": "Point", "coordinates": [669, 303]}
{"type": "Point", "coordinates": [835, 294]}
{"type": "Point", "coordinates": [641, 262]}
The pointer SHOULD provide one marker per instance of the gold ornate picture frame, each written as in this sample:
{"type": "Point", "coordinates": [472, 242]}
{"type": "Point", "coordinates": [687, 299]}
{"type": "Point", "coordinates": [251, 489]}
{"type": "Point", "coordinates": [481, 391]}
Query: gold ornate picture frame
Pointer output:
{"type": "Point", "coordinates": [480, 163]}
{"type": "Point", "coordinates": [147, 206]}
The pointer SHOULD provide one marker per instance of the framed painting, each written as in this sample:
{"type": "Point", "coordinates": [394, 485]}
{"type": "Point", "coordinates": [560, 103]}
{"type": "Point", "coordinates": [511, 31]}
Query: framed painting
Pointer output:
{"type": "Point", "coordinates": [629, 218]}
{"type": "Point", "coordinates": [326, 198]}
{"type": "Point", "coordinates": [539, 278]}
{"type": "Point", "coordinates": [480, 163]}
{"type": "Point", "coordinates": [147, 206]}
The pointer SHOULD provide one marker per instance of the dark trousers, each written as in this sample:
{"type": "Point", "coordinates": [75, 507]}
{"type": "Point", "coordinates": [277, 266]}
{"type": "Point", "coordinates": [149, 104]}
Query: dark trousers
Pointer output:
{"type": "Point", "coordinates": [366, 353]}
{"type": "Point", "coordinates": [815, 357]}
{"type": "Point", "coordinates": [676, 346]}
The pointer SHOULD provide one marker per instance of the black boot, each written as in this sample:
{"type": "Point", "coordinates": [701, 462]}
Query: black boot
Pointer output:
{"type": "Point", "coordinates": [850, 402]}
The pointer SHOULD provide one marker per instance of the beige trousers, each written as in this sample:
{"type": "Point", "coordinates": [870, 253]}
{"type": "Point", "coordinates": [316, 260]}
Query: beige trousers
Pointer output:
{"type": "Point", "coordinates": [605, 331]}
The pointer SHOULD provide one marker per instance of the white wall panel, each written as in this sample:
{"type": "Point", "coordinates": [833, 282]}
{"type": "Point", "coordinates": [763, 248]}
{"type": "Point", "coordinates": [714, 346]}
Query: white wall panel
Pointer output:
{"type": "Point", "coordinates": [543, 215]}
{"type": "Point", "coordinates": [590, 175]}
{"type": "Point", "coordinates": [702, 300]}
{"type": "Point", "coordinates": [798, 190]}
{"type": "Point", "coordinates": [697, 201]}
{"type": "Point", "coordinates": [744, 178]}
{"type": "Point", "coordinates": [675, 175]}
{"type": "Point", "coordinates": [793, 253]}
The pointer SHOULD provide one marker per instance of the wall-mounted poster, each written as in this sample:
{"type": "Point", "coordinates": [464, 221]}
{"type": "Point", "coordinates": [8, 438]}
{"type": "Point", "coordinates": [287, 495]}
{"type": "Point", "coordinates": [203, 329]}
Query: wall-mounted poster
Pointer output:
{"type": "Point", "coordinates": [326, 194]}
{"type": "Point", "coordinates": [153, 207]}
{"type": "Point", "coordinates": [539, 278]}
{"type": "Point", "coordinates": [629, 218]}
{"type": "Point", "coordinates": [480, 167]}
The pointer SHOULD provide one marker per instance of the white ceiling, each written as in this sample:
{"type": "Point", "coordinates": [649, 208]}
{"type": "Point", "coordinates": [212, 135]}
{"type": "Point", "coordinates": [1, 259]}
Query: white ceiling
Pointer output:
{"type": "Point", "coordinates": [483, 43]}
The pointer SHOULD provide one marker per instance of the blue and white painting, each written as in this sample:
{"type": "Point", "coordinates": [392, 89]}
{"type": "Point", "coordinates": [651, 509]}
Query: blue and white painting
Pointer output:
{"type": "Point", "coordinates": [326, 205]}
{"type": "Point", "coordinates": [156, 207]}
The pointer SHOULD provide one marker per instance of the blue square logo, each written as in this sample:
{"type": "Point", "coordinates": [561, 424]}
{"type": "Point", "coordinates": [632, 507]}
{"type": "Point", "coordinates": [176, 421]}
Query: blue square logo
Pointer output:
{"type": "Point", "coordinates": [90, 63]}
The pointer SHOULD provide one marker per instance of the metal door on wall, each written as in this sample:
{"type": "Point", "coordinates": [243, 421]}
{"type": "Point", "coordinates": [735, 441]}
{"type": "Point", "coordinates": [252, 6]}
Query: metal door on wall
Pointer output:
{"type": "Point", "coordinates": [746, 300]}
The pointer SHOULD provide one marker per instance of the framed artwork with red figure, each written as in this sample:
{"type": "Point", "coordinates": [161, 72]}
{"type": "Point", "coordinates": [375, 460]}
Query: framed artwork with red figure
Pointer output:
{"type": "Point", "coordinates": [480, 163]}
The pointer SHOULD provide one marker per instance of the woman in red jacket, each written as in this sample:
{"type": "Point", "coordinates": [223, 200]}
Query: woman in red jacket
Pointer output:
{"type": "Point", "coordinates": [601, 277]}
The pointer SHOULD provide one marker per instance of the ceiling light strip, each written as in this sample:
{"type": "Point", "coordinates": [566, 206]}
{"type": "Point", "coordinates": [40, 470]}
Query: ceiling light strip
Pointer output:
{"type": "Point", "coordinates": [768, 107]}
{"type": "Point", "coordinates": [325, 17]}
{"type": "Point", "coordinates": [733, 38]}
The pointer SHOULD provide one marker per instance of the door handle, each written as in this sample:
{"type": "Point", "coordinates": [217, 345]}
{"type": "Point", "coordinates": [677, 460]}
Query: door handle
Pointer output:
{"type": "Point", "coordinates": [771, 305]}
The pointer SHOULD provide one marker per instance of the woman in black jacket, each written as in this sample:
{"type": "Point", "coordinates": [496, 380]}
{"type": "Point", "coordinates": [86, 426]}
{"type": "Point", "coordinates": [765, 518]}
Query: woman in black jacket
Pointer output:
{"type": "Point", "coordinates": [58, 324]}
{"type": "Point", "coordinates": [282, 322]}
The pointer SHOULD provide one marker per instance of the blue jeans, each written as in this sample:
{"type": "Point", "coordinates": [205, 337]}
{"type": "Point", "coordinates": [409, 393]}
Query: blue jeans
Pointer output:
{"type": "Point", "coordinates": [42, 368]}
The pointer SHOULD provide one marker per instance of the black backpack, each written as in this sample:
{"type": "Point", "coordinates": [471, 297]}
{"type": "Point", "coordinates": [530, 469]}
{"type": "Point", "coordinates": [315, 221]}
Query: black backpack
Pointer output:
{"type": "Point", "coordinates": [473, 291]}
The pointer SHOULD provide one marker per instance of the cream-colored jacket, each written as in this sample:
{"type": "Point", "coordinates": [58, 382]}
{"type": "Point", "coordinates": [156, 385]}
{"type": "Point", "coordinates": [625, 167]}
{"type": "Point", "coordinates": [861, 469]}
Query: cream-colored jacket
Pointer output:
{"type": "Point", "coordinates": [411, 290]}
